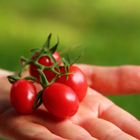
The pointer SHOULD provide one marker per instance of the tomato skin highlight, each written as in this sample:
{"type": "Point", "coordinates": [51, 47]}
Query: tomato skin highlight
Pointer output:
{"type": "Point", "coordinates": [22, 96]}
{"type": "Point", "coordinates": [60, 100]}
{"type": "Point", "coordinates": [44, 60]}
{"type": "Point", "coordinates": [76, 80]}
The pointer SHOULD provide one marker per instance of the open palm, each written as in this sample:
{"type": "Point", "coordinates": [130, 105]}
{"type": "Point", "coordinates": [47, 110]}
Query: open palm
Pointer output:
{"type": "Point", "coordinates": [97, 118]}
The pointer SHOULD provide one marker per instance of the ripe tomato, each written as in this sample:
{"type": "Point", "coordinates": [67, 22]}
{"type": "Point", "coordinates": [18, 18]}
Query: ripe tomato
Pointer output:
{"type": "Point", "coordinates": [44, 60]}
{"type": "Point", "coordinates": [60, 100]}
{"type": "Point", "coordinates": [22, 96]}
{"type": "Point", "coordinates": [76, 80]}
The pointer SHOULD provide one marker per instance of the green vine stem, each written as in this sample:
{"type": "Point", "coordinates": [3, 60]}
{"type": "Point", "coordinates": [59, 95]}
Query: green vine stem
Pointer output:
{"type": "Point", "coordinates": [47, 51]}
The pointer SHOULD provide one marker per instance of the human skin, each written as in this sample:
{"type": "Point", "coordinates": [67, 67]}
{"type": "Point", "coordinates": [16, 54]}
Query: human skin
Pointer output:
{"type": "Point", "coordinates": [97, 117]}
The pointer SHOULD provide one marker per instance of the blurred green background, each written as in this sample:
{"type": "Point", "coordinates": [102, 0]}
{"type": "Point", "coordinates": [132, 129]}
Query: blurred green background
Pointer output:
{"type": "Point", "coordinates": [107, 31]}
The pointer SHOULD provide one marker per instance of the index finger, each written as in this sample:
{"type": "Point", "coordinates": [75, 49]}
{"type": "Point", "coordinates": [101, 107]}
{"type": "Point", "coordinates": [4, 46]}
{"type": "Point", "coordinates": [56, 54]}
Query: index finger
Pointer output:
{"type": "Point", "coordinates": [113, 80]}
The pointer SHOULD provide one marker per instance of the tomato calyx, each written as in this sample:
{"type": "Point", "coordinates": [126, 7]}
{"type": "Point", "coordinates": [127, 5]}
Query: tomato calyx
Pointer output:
{"type": "Point", "coordinates": [38, 100]}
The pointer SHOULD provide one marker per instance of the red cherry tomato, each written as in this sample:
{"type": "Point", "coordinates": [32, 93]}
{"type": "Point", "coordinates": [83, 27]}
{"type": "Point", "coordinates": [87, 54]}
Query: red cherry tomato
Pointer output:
{"type": "Point", "coordinates": [60, 100]}
{"type": "Point", "coordinates": [76, 80]}
{"type": "Point", "coordinates": [44, 60]}
{"type": "Point", "coordinates": [22, 96]}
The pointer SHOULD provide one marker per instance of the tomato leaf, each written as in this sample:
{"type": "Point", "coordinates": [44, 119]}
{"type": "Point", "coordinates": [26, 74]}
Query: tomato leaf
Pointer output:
{"type": "Point", "coordinates": [67, 66]}
{"type": "Point", "coordinates": [54, 48]}
{"type": "Point", "coordinates": [38, 100]}
{"type": "Point", "coordinates": [75, 60]}
{"type": "Point", "coordinates": [13, 78]}
{"type": "Point", "coordinates": [47, 43]}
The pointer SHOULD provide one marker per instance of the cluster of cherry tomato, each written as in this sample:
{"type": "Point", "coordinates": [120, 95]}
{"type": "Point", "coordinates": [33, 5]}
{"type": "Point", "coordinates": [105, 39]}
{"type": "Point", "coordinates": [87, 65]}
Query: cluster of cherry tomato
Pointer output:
{"type": "Point", "coordinates": [63, 84]}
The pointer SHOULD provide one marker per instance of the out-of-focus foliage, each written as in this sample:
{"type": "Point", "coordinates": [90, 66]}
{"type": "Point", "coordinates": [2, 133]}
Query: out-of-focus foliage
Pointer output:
{"type": "Point", "coordinates": [108, 31]}
{"type": "Point", "coordinates": [105, 32]}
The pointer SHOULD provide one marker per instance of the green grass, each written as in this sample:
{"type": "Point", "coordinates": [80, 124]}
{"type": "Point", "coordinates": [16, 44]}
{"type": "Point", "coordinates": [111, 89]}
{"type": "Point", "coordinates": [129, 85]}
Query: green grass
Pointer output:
{"type": "Point", "coordinates": [105, 32]}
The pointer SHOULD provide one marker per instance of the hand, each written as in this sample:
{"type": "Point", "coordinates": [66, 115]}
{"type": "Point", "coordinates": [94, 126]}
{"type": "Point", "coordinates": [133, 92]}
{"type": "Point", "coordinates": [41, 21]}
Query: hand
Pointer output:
{"type": "Point", "coordinates": [97, 118]}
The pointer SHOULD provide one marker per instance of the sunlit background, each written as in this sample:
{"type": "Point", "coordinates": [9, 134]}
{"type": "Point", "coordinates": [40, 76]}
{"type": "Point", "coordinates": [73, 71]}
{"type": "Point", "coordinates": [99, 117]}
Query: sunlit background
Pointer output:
{"type": "Point", "coordinates": [105, 32]}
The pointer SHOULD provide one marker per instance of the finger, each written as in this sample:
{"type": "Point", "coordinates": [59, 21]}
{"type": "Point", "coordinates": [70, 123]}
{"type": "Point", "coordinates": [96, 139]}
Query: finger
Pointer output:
{"type": "Point", "coordinates": [110, 112]}
{"type": "Point", "coordinates": [17, 127]}
{"type": "Point", "coordinates": [4, 85]}
{"type": "Point", "coordinates": [76, 133]}
{"type": "Point", "coordinates": [4, 73]}
{"type": "Point", "coordinates": [113, 80]}
{"type": "Point", "coordinates": [31, 131]}
{"type": "Point", "coordinates": [63, 128]}
{"type": "Point", "coordinates": [122, 119]}
{"type": "Point", "coordinates": [105, 130]}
